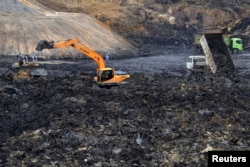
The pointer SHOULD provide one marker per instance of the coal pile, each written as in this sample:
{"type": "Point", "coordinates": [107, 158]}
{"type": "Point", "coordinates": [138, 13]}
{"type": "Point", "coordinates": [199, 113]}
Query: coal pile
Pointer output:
{"type": "Point", "coordinates": [155, 120]}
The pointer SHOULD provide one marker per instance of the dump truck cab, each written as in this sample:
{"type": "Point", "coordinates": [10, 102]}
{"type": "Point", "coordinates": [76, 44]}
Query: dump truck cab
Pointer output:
{"type": "Point", "coordinates": [234, 44]}
{"type": "Point", "coordinates": [196, 62]}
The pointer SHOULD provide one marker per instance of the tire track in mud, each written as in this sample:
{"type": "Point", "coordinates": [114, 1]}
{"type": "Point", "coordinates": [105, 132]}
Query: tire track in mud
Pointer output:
{"type": "Point", "coordinates": [22, 45]}
{"type": "Point", "coordinates": [14, 7]}
{"type": "Point", "coordinates": [170, 63]}
{"type": "Point", "coordinates": [86, 37]}
{"type": "Point", "coordinates": [10, 48]}
{"type": "Point", "coordinates": [3, 38]}
{"type": "Point", "coordinates": [36, 6]}
{"type": "Point", "coordinates": [104, 41]}
{"type": "Point", "coordinates": [57, 26]}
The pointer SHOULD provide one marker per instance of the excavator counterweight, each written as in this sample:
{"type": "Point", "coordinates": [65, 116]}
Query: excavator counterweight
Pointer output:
{"type": "Point", "coordinates": [105, 76]}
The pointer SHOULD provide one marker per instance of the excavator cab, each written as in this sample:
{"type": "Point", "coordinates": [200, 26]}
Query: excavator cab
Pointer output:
{"type": "Point", "coordinates": [108, 77]}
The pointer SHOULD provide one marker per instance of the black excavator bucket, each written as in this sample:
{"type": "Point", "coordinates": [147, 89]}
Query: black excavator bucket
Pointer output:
{"type": "Point", "coordinates": [44, 44]}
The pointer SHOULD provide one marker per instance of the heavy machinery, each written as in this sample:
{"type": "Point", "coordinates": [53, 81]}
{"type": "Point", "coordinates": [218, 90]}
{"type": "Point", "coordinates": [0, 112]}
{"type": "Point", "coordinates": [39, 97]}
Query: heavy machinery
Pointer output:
{"type": "Point", "coordinates": [234, 44]}
{"type": "Point", "coordinates": [25, 61]}
{"type": "Point", "coordinates": [217, 54]}
{"type": "Point", "coordinates": [29, 66]}
{"type": "Point", "coordinates": [105, 76]}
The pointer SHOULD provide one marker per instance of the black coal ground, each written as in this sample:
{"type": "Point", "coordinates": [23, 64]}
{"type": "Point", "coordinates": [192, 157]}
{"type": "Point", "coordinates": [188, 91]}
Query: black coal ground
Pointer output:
{"type": "Point", "coordinates": [158, 119]}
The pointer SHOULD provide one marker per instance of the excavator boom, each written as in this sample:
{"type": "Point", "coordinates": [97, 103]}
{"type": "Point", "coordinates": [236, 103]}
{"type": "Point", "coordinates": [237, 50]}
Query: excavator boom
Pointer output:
{"type": "Point", "coordinates": [105, 75]}
{"type": "Point", "coordinates": [77, 45]}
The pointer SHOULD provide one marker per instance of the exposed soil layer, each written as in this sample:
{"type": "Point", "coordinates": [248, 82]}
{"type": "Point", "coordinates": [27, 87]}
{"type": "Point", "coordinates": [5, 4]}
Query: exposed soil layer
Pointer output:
{"type": "Point", "coordinates": [153, 26]}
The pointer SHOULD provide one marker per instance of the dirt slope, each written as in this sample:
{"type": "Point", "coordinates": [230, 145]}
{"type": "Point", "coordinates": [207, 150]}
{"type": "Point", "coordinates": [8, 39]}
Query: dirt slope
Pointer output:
{"type": "Point", "coordinates": [25, 23]}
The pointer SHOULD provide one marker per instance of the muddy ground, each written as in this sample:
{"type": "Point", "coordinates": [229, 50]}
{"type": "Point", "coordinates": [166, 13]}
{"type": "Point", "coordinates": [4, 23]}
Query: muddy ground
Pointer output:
{"type": "Point", "coordinates": [164, 116]}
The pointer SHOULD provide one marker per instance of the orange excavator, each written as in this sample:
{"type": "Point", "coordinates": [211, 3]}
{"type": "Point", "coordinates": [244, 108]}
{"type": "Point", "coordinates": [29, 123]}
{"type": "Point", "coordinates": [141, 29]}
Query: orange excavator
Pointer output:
{"type": "Point", "coordinates": [105, 76]}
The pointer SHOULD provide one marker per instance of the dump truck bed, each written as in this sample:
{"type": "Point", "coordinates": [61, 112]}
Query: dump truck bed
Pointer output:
{"type": "Point", "coordinates": [219, 51]}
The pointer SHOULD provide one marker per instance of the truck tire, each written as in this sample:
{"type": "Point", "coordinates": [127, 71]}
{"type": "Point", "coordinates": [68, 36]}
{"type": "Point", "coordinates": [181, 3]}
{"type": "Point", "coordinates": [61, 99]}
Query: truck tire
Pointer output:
{"type": "Point", "coordinates": [235, 51]}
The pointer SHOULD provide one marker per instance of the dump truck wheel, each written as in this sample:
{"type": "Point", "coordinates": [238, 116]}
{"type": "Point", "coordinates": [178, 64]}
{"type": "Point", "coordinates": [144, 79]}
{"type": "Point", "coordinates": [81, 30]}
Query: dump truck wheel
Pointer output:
{"type": "Point", "coordinates": [235, 51]}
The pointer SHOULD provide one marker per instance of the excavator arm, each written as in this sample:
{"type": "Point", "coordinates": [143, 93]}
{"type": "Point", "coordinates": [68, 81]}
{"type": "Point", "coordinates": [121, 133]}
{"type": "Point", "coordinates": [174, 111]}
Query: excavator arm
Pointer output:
{"type": "Point", "coordinates": [77, 45]}
{"type": "Point", "coordinates": [105, 76]}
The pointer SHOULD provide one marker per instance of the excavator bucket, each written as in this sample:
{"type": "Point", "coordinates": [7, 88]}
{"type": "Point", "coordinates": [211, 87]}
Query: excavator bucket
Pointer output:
{"type": "Point", "coordinates": [44, 44]}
